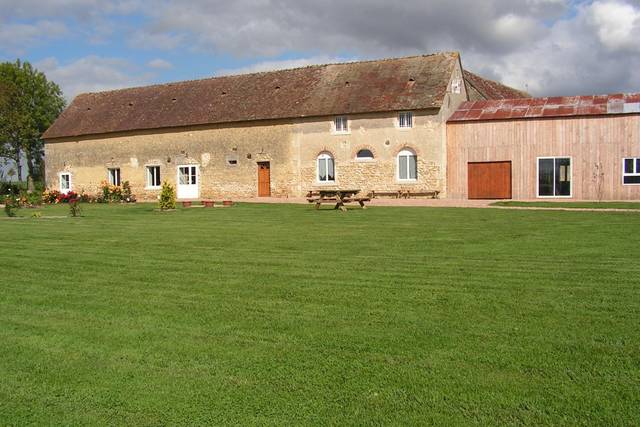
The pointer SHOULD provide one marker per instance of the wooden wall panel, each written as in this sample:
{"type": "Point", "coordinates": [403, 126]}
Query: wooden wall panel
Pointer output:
{"type": "Point", "coordinates": [489, 180]}
{"type": "Point", "coordinates": [587, 140]}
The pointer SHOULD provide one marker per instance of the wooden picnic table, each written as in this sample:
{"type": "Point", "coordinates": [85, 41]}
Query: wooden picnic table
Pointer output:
{"type": "Point", "coordinates": [338, 196]}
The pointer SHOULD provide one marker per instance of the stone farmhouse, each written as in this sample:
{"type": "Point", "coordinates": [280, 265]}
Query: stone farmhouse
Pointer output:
{"type": "Point", "coordinates": [373, 125]}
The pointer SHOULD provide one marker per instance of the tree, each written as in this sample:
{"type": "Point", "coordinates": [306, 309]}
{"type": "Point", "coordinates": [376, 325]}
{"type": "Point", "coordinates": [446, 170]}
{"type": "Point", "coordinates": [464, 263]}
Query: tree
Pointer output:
{"type": "Point", "coordinates": [29, 104]}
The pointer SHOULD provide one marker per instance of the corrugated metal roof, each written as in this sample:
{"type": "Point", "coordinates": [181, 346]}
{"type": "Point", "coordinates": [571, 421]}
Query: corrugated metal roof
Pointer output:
{"type": "Point", "coordinates": [529, 108]}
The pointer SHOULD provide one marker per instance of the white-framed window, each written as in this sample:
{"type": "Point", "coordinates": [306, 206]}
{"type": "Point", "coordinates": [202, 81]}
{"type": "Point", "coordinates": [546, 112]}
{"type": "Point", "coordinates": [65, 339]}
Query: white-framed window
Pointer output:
{"type": "Point", "coordinates": [326, 168]}
{"type": "Point", "coordinates": [407, 165]}
{"type": "Point", "coordinates": [364, 155]}
{"type": "Point", "coordinates": [114, 176]}
{"type": "Point", "coordinates": [554, 177]}
{"type": "Point", "coordinates": [65, 182]}
{"type": "Point", "coordinates": [405, 120]}
{"type": "Point", "coordinates": [341, 124]}
{"type": "Point", "coordinates": [631, 171]}
{"type": "Point", "coordinates": [153, 176]}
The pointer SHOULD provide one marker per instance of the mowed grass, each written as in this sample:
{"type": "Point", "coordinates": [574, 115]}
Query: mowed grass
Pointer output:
{"type": "Point", "coordinates": [571, 205]}
{"type": "Point", "coordinates": [280, 315]}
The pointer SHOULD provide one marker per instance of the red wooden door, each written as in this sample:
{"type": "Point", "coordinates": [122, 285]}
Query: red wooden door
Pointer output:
{"type": "Point", "coordinates": [489, 180]}
{"type": "Point", "coordinates": [264, 179]}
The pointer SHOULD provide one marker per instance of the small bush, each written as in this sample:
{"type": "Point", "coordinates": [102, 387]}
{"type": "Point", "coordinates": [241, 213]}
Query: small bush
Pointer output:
{"type": "Point", "coordinates": [10, 206]}
{"type": "Point", "coordinates": [127, 196]}
{"type": "Point", "coordinates": [31, 199]}
{"type": "Point", "coordinates": [87, 198]}
{"type": "Point", "coordinates": [167, 197]}
{"type": "Point", "coordinates": [74, 207]}
{"type": "Point", "coordinates": [115, 193]}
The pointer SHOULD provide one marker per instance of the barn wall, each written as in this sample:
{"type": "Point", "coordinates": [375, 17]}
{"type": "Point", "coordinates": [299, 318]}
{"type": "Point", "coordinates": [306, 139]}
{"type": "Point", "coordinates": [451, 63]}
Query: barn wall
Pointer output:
{"type": "Point", "coordinates": [588, 141]}
{"type": "Point", "coordinates": [290, 146]}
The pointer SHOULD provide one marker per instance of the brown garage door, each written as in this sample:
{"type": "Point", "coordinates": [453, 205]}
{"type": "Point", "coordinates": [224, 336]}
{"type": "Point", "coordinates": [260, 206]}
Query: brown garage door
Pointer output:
{"type": "Point", "coordinates": [489, 180]}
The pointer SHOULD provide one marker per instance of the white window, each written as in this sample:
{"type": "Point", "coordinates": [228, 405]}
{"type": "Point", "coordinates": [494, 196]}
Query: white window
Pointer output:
{"type": "Point", "coordinates": [65, 182]}
{"type": "Point", "coordinates": [326, 168]}
{"type": "Point", "coordinates": [364, 154]}
{"type": "Point", "coordinates": [631, 171]}
{"type": "Point", "coordinates": [405, 120]}
{"type": "Point", "coordinates": [407, 165]}
{"type": "Point", "coordinates": [341, 124]}
{"type": "Point", "coordinates": [554, 177]}
{"type": "Point", "coordinates": [456, 86]}
{"type": "Point", "coordinates": [153, 176]}
{"type": "Point", "coordinates": [114, 176]}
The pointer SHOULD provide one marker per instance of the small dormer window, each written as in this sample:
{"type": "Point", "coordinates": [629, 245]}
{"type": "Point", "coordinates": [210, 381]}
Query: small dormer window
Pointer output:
{"type": "Point", "coordinates": [456, 86]}
{"type": "Point", "coordinates": [405, 119]}
{"type": "Point", "coordinates": [341, 124]}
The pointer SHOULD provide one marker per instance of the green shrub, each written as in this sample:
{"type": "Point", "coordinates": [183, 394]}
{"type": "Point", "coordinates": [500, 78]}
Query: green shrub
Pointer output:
{"type": "Point", "coordinates": [127, 196]}
{"type": "Point", "coordinates": [10, 206]}
{"type": "Point", "coordinates": [74, 207]}
{"type": "Point", "coordinates": [31, 199]}
{"type": "Point", "coordinates": [167, 197]}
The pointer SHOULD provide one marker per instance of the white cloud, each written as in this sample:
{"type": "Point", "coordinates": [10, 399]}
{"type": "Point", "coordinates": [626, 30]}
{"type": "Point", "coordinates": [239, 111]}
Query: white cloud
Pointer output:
{"type": "Point", "coordinates": [617, 23]}
{"type": "Point", "coordinates": [83, 9]}
{"type": "Point", "coordinates": [92, 74]}
{"type": "Point", "coordinates": [160, 64]}
{"type": "Point", "coordinates": [16, 37]}
{"type": "Point", "coordinates": [572, 59]}
{"type": "Point", "coordinates": [155, 40]}
{"type": "Point", "coordinates": [281, 65]}
{"type": "Point", "coordinates": [552, 46]}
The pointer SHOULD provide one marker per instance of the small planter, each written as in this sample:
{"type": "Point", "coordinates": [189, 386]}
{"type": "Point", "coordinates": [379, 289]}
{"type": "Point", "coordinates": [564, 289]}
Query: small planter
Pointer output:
{"type": "Point", "coordinates": [207, 203]}
{"type": "Point", "coordinates": [227, 203]}
{"type": "Point", "coordinates": [186, 204]}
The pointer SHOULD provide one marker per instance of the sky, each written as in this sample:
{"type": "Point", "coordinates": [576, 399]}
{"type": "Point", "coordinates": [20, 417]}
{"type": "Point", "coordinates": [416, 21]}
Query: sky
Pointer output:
{"type": "Point", "coordinates": [547, 47]}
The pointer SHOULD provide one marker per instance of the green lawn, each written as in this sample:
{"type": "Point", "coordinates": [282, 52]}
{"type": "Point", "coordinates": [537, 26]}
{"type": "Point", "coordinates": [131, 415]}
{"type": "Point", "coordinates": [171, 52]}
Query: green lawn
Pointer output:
{"type": "Point", "coordinates": [280, 314]}
{"type": "Point", "coordinates": [571, 205]}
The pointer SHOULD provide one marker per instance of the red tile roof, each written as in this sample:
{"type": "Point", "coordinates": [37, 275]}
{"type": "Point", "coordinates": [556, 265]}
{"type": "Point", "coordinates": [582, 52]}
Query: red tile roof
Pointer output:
{"type": "Point", "coordinates": [528, 108]}
{"type": "Point", "coordinates": [411, 83]}
{"type": "Point", "coordinates": [481, 88]}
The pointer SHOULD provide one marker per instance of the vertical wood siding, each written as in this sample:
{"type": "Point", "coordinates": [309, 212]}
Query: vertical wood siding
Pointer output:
{"type": "Point", "coordinates": [587, 140]}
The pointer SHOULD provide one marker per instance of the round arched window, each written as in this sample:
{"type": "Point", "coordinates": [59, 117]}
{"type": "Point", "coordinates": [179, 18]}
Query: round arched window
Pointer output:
{"type": "Point", "coordinates": [326, 168]}
{"type": "Point", "coordinates": [407, 165]}
{"type": "Point", "coordinates": [364, 154]}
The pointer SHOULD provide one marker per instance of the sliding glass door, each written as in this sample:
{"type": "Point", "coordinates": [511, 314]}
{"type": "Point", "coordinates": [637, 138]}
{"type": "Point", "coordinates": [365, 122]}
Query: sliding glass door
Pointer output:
{"type": "Point", "coordinates": [554, 177]}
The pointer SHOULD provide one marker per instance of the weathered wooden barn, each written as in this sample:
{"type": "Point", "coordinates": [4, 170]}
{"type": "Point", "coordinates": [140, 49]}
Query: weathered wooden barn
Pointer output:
{"type": "Point", "coordinates": [581, 148]}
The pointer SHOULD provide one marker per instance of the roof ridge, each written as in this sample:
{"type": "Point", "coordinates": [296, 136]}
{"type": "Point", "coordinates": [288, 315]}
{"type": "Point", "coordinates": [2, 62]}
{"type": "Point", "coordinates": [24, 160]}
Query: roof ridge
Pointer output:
{"type": "Point", "coordinates": [255, 73]}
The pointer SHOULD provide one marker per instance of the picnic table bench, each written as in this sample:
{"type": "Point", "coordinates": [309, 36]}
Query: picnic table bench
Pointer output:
{"type": "Point", "coordinates": [405, 194]}
{"type": "Point", "coordinates": [339, 197]}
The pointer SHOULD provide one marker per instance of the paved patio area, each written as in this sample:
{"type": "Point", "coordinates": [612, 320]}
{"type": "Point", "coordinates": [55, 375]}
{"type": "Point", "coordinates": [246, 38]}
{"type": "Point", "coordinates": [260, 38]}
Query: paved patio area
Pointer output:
{"type": "Point", "coordinates": [434, 203]}
{"type": "Point", "coordinates": [442, 203]}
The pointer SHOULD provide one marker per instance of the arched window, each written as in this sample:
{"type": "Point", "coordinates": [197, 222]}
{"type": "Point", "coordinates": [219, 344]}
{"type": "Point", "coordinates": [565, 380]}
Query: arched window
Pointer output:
{"type": "Point", "coordinates": [326, 168]}
{"type": "Point", "coordinates": [407, 165]}
{"type": "Point", "coordinates": [364, 154]}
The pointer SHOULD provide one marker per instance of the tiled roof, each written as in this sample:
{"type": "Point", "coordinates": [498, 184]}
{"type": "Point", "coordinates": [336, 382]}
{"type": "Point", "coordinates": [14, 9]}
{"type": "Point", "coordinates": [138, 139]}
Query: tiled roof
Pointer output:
{"type": "Point", "coordinates": [593, 105]}
{"type": "Point", "coordinates": [411, 83]}
{"type": "Point", "coordinates": [480, 88]}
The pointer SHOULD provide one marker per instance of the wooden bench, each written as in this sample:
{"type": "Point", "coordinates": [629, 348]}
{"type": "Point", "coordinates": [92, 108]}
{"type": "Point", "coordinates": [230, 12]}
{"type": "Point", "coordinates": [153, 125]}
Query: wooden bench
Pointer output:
{"type": "Point", "coordinates": [393, 194]}
{"type": "Point", "coordinates": [430, 193]}
{"type": "Point", "coordinates": [337, 197]}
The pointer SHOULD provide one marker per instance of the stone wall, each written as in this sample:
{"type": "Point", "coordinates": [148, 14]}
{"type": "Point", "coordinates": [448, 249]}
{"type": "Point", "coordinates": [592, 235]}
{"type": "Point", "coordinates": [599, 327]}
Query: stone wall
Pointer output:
{"type": "Point", "coordinates": [380, 134]}
{"type": "Point", "coordinates": [291, 147]}
{"type": "Point", "coordinates": [211, 148]}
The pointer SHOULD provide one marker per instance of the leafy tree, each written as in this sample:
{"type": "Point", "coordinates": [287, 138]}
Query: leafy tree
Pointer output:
{"type": "Point", "coordinates": [29, 104]}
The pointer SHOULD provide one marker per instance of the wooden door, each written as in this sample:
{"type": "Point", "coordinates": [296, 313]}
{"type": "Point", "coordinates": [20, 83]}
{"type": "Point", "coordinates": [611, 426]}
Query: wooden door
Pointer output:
{"type": "Point", "coordinates": [264, 179]}
{"type": "Point", "coordinates": [489, 180]}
